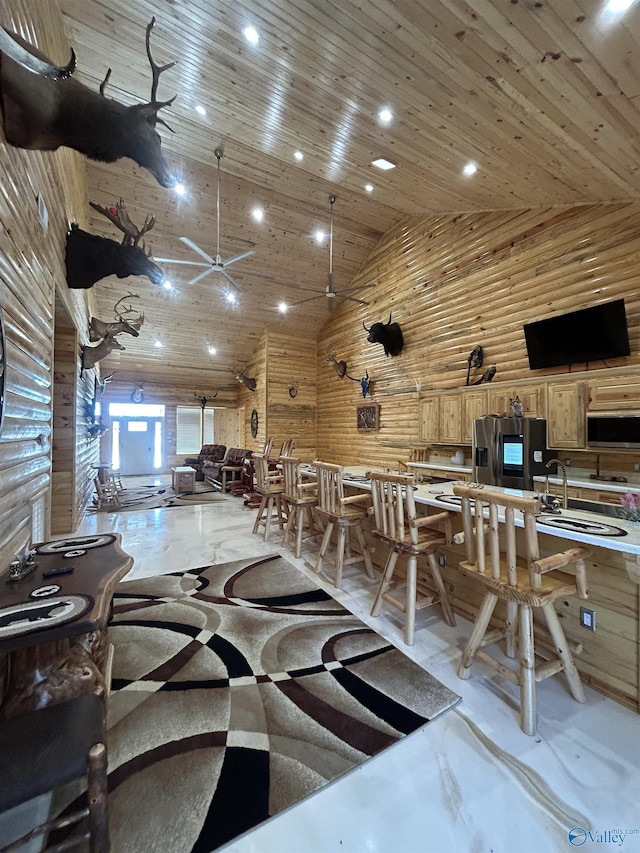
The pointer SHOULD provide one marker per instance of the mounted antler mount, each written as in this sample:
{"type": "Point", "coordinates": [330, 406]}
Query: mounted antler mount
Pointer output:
{"type": "Point", "coordinates": [90, 257]}
{"type": "Point", "coordinates": [248, 381]}
{"type": "Point", "coordinates": [124, 321]}
{"type": "Point", "coordinates": [44, 107]}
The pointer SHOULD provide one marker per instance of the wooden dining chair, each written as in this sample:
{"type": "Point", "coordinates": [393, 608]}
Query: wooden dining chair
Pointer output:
{"type": "Point", "coordinates": [398, 525]}
{"type": "Point", "coordinates": [270, 486]}
{"type": "Point", "coordinates": [524, 582]}
{"type": "Point", "coordinates": [107, 492]}
{"type": "Point", "coordinates": [300, 496]}
{"type": "Point", "coordinates": [344, 513]}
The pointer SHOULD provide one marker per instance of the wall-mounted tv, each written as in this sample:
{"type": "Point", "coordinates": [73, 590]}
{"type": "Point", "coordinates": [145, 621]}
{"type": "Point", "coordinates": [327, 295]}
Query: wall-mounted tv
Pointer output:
{"type": "Point", "coordinates": [591, 334]}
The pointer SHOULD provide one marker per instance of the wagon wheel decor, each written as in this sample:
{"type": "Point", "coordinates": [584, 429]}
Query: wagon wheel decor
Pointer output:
{"type": "Point", "coordinates": [254, 424]}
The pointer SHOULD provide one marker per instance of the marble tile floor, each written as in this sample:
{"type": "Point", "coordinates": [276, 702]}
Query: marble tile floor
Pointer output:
{"type": "Point", "coordinates": [470, 781]}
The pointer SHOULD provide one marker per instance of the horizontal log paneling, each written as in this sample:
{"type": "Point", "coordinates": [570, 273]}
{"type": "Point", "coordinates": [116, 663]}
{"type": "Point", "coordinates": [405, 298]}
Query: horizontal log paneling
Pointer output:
{"type": "Point", "coordinates": [457, 281]}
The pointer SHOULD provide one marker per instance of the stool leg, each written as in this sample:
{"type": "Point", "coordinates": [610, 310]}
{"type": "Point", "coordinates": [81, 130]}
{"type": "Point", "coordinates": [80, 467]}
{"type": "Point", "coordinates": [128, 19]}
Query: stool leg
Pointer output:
{"type": "Point", "coordinates": [384, 583]}
{"type": "Point", "coordinates": [479, 629]}
{"type": "Point", "coordinates": [564, 653]}
{"type": "Point", "coordinates": [97, 795]}
{"type": "Point", "coordinates": [412, 579]}
{"type": "Point", "coordinates": [300, 511]}
{"type": "Point", "coordinates": [449, 618]}
{"type": "Point", "coordinates": [527, 672]}
{"type": "Point", "coordinates": [256, 526]}
{"type": "Point", "coordinates": [511, 650]}
{"type": "Point", "coordinates": [325, 544]}
{"type": "Point", "coordinates": [340, 550]}
{"type": "Point", "coordinates": [267, 519]}
{"type": "Point", "coordinates": [365, 551]}
{"type": "Point", "coordinates": [289, 525]}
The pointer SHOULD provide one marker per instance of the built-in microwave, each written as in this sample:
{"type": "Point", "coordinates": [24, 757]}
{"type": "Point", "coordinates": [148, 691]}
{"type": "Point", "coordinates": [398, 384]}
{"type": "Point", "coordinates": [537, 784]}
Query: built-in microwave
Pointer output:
{"type": "Point", "coordinates": [613, 430]}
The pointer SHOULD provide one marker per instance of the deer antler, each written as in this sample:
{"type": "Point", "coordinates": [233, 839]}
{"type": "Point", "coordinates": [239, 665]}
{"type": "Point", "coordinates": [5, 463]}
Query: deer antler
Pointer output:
{"type": "Point", "coordinates": [156, 71]}
{"type": "Point", "coordinates": [120, 218]}
{"type": "Point", "coordinates": [122, 315]}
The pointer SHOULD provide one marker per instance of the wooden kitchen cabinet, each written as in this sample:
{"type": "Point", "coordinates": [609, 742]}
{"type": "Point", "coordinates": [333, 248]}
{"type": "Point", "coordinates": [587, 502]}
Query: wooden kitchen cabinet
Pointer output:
{"type": "Point", "coordinates": [566, 414]}
{"type": "Point", "coordinates": [429, 427]}
{"type": "Point", "coordinates": [450, 419]}
{"type": "Point", "coordinates": [532, 398]}
{"type": "Point", "coordinates": [475, 404]}
{"type": "Point", "coordinates": [612, 395]}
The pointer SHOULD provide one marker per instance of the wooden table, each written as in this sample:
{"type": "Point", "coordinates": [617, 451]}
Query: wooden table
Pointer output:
{"type": "Point", "coordinates": [53, 629]}
{"type": "Point", "coordinates": [183, 479]}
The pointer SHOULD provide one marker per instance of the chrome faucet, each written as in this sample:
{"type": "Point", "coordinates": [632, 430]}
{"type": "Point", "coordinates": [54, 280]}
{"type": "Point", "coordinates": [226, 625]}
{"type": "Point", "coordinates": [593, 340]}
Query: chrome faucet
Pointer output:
{"type": "Point", "coordinates": [564, 480]}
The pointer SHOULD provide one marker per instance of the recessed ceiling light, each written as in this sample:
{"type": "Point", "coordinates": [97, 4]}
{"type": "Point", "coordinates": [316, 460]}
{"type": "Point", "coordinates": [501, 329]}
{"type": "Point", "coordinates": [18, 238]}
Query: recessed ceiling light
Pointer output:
{"type": "Point", "coordinates": [320, 235]}
{"type": "Point", "coordinates": [212, 350]}
{"type": "Point", "coordinates": [231, 298]}
{"type": "Point", "coordinates": [470, 169]}
{"type": "Point", "coordinates": [167, 284]}
{"type": "Point", "coordinates": [385, 115]}
{"type": "Point", "coordinates": [201, 110]}
{"type": "Point", "coordinates": [251, 35]}
{"type": "Point", "coordinates": [368, 188]}
{"type": "Point", "coordinates": [616, 7]}
{"type": "Point", "coordinates": [283, 308]}
{"type": "Point", "coordinates": [179, 189]}
{"type": "Point", "coordinates": [298, 155]}
{"type": "Point", "coordinates": [158, 344]}
{"type": "Point", "coordinates": [383, 164]}
{"type": "Point", "coordinates": [258, 214]}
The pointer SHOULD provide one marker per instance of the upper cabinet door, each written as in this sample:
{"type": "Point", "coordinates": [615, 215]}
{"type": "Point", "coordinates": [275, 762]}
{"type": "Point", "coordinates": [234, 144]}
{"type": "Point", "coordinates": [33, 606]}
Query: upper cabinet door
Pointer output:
{"type": "Point", "coordinates": [450, 419]}
{"type": "Point", "coordinates": [612, 395]}
{"type": "Point", "coordinates": [565, 414]}
{"type": "Point", "coordinates": [475, 404]}
{"type": "Point", "coordinates": [429, 418]}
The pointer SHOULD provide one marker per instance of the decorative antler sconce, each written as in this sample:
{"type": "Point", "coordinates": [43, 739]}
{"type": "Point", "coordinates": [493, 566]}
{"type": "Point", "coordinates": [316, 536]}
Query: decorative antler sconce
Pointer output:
{"type": "Point", "coordinates": [203, 399]}
{"type": "Point", "coordinates": [137, 395]}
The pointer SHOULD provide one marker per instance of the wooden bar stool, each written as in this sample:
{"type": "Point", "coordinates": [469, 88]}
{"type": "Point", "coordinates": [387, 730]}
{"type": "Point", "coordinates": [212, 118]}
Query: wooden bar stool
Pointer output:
{"type": "Point", "coordinates": [270, 486]}
{"type": "Point", "coordinates": [49, 747]}
{"type": "Point", "coordinates": [345, 514]}
{"type": "Point", "coordinates": [397, 524]}
{"type": "Point", "coordinates": [300, 496]}
{"type": "Point", "coordinates": [523, 583]}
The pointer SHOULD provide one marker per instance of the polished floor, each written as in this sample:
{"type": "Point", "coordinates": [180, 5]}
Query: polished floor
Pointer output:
{"type": "Point", "coordinates": [470, 781]}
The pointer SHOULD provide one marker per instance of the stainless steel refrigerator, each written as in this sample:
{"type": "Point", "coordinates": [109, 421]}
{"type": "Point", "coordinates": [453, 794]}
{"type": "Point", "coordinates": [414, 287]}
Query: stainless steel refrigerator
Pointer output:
{"type": "Point", "coordinates": [510, 452]}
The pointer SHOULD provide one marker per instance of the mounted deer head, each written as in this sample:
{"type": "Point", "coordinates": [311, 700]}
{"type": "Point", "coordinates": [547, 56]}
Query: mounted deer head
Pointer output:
{"type": "Point", "coordinates": [388, 334]}
{"type": "Point", "coordinates": [98, 328]}
{"type": "Point", "coordinates": [44, 107]}
{"type": "Point", "coordinates": [90, 258]}
{"type": "Point", "coordinates": [340, 367]}
{"type": "Point", "coordinates": [91, 355]}
{"type": "Point", "coordinates": [245, 380]}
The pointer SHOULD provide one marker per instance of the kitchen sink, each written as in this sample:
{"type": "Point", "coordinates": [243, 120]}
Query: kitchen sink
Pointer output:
{"type": "Point", "coordinates": [592, 506]}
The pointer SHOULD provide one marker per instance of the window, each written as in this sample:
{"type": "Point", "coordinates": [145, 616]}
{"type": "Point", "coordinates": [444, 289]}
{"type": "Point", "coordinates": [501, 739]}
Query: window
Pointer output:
{"type": "Point", "coordinates": [192, 431]}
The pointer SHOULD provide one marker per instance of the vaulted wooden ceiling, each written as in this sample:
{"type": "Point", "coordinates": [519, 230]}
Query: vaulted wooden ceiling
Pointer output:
{"type": "Point", "coordinates": [543, 96]}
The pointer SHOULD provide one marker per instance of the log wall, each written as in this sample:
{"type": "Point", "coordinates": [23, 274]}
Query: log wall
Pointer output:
{"type": "Point", "coordinates": [31, 273]}
{"type": "Point", "coordinates": [456, 281]}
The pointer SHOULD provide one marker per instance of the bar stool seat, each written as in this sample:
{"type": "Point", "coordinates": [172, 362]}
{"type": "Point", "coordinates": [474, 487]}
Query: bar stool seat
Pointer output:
{"type": "Point", "coordinates": [398, 526]}
{"type": "Point", "coordinates": [49, 747]}
{"type": "Point", "coordinates": [344, 513]}
{"type": "Point", "coordinates": [524, 583]}
{"type": "Point", "coordinates": [270, 487]}
{"type": "Point", "coordinates": [301, 500]}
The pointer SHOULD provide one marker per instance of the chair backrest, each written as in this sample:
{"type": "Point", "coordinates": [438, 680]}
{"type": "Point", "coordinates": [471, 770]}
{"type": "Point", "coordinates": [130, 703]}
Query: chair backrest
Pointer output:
{"type": "Point", "coordinates": [236, 456]}
{"type": "Point", "coordinates": [394, 506]}
{"type": "Point", "coordinates": [330, 488]}
{"type": "Point", "coordinates": [266, 479]}
{"type": "Point", "coordinates": [213, 452]}
{"type": "Point", "coordinates": [490, 544]}
{"type": "Point", "coordinates": [106, 491]}
{"type": "Point", "coordinates": [288, 446]}
{"type": "Point", "coordinates": [268, 446]}
{"type": "Point", "coordinates": [292, 476]}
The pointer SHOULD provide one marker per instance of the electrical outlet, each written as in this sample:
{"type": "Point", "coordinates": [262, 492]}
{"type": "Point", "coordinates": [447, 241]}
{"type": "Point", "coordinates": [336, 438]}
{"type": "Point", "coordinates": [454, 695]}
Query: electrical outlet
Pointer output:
{"type": "Point", "coordinates": [442, 559]}
{"type": "Point", "coordinates": [588, 618]}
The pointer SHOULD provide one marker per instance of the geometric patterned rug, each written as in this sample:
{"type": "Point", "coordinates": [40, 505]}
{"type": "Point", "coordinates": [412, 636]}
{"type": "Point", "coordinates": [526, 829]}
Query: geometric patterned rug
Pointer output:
{"type": "Point", "coordinates": [238, 690]}
{"type": "Point", "coordinates": [158, 497]}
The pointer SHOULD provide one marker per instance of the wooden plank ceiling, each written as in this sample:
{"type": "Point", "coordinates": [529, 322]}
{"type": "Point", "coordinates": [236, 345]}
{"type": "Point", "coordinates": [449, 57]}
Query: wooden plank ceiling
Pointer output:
{"type": "Point", "coordinates": [543, 96]}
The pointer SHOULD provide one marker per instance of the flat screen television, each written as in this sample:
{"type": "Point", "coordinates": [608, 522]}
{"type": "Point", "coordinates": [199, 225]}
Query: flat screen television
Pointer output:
{"type": "Point", "coordinates": [591, 334]}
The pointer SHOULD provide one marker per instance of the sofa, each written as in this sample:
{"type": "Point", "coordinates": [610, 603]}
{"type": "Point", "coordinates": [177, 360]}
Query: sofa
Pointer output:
{"type": "Point", "coordinates": [229, 469]}
{"type": "Point", "coordinates": [210, 454]}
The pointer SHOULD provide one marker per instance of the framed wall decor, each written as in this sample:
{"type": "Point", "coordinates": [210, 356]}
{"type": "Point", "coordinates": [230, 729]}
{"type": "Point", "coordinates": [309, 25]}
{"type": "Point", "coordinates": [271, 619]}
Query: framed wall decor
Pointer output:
{"type": "Point", "coordinates": [368, 417]}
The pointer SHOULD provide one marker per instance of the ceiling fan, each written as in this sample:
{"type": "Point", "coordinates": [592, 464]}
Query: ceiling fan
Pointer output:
{"type": "Point", "coordinates": [329, 291]}
{"type": "Point", "coordinates": [213, 264]}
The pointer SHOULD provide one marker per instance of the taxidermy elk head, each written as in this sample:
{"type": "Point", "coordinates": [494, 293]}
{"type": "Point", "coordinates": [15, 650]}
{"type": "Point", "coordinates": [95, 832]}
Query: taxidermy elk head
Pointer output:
{"type": "Point", "coordinates": [91, 355]}
{"type": "Point", "coordinates": [248, 381]}
{"type": "Point", "coordinates": [124, 321]}
{"type": "Point", "coordinates": [340, 367]}
{"type": "Point", "coordinates": [388, 334]}
{"type": "Point", "coordinates": [45, 107]}
{"type": "Point", "coordinates": [90, 257]}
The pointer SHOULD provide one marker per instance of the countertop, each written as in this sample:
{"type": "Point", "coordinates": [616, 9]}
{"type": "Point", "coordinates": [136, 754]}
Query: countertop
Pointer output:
{"type": "Point", "coordinates": [427, 493]}
{"type": "Point", "coordinates": [601, 485]}
{"type": "Point", "coordinates": [438, 466]}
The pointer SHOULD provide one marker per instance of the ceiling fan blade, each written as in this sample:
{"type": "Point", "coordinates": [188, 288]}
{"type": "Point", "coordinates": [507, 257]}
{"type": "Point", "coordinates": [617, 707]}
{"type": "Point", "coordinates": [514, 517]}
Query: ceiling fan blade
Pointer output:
{"type": "Point", "coordinates": [229, 279]}
{"type": "Point", "coordinates": [308, 299]}
{"type": "Point", "coordinates": [197, 249]}
{"type": "Point", "coordinates": [352, 299]}
{"type": "Point", "coordinates": [200, 276]}
{"type": "Point", "coordinates": [238, 257]}
{"type": "Point", "coordinates": [356, 287]}
{"type": "Point", "coordinates": [176, 261]}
